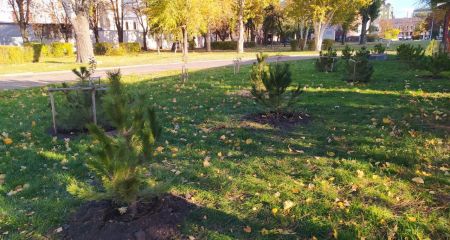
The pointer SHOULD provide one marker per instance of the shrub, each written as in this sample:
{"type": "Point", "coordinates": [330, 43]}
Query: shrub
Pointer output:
{"type": "Point", "coordinates": [249, 45]}
{"type": "Point", "coordinates": [432, 48]}
{"type": "Point", "coordinates": [102, 48]}
{"type": "Point", "coordinates": [37, 50]}
{"type": "Point", "coordinates": [58, 49]}
{"type": "Point", "coordinates": [270, 83]}
{"type": "Point", "coordinates": [131, 47]}
{"type": "Point", "coordinates": [191, 44]}
{"type": "Point", "coordinates": [411, 55]}
{"type": "Point", "coordinates": [327, 61]}
{"type": "Point", "coordinates": [379, 48]}
{"type": "Point", "coordinates": [347, 52]}
{"type": "Point", "coordinates": [116, 51]}
{"type": "Point", "coordinates": [228, 45]}
{"type": "Point", "coordinates": [15, 54]}
{"type": "Point", "coordinates": [327, 43]}
{"type": "Point", "coordinates": [437, 63]}
{"type": "Point", "coordinates": [294, 45]}
{"type": "Point", "coordinates": [120, 159]}
{"type": "Point", "coordinates": [358, 67]}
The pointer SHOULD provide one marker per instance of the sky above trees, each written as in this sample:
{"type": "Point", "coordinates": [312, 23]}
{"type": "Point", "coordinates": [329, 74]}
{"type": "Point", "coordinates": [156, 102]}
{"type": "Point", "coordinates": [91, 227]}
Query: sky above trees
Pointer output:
{"type": "Point", "coordinates": [404, 8]}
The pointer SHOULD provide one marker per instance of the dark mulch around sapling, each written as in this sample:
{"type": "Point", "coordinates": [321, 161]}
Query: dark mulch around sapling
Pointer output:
{"type": "Point", "coordinates": [156, 219]}
{"type": "Point", "coordinates": [282, 120]}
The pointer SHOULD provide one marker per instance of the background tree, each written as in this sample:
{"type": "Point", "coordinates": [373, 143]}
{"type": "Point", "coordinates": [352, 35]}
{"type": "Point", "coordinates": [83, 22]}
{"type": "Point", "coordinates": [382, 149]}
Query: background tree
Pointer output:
{"type": "Point", "coordinates": [175, 16]}
{"type": "Point", "coordinates": [368, 12]}
{"type": "Point", "coordinates": [96, 10]}
{"type": "Point", "coordinates": [139, 8]}
{"type": "Point", "coordinates": [295, 11]}
{"type": "Point", "coordinates": [323, 12]}
{"type": "Point", "coordinates": [241, 39]}
{"type": "Point", "coordinates": [22, 15]}
{"type": "Point", "coordinates": [118, 9]}
{"type": "Point", "coordinates": [59, 16]}
{"type": "Point", "coordinates": [78, 13]}
{"type": "Point", "coordinates": [212, 10]}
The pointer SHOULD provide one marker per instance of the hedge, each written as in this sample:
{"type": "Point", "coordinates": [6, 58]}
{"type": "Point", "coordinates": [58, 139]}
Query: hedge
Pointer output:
{"type": "Point", "coordinates": [15, 54]}
{"type": "Point", "coordinates": [102, 48]}
{"type": "Point", "coordinates": [327, 43]}
{"type": "Point", "coordinates": [131, 47]}
{"type": "Point", "coordinates": [230, 45]}
{"type": "Point", "coordinates": [59, 49]}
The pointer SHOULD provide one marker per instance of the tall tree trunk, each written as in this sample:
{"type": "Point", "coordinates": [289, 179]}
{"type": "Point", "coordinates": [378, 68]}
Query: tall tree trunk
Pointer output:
{"type": "Point", "coordinates": [83, 38]}
{"type": "Point", "coordinates": [96, 34]}
{"type": "Point", "coordinates": [240, 47]}
{"type": "Point", "coordinates": [363, 37]}
{"type": "Point", "coordinates": [185, 42]}
{"type": "Point", "coordinates": [120, 33]}
{"type": "Point", "coordinates": [446, 39]}
{"type": "Point", "coordinates": [344, 36]}
{"type": "Point", "coordinates": [80, 24]}
{"type": "Point", "coordinates": [318, 35]}
{"type": "Point", "coordinates": [305, 43]}
{"type": "Point", "coordinates": [144, 40]}
{"type": "Point", "coordinates": [24, 32]}
{"type": "Point", "coordinates": [208, 40]}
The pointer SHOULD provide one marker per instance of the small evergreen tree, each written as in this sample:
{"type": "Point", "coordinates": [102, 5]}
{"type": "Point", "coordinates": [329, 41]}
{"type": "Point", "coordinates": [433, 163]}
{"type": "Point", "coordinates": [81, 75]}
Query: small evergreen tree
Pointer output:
{"type": "Point", "coordinates": [358, 67]}
{"type": "Point", "coordinates": [119, 159]}
{"type": "Point", "coordinates": [437, 63]}
{"type": "Point", "coordinates": [347, 52]}
{"type": "Point", "coordinates": [379, 48]}
{"type": "Point", "coordinates": [327, 61]}
{"type": "Point", "coordinates": [270, 83]}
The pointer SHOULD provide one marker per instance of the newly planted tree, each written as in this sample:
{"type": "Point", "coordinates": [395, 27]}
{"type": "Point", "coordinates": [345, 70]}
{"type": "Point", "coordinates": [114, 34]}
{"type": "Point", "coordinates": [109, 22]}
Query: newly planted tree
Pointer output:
{"type": "Point", "coordinates": [119, 161]}
{"type": "Point", "coordinates": [270, 85]}
{"type": "Point", "coordinates": [358, 68]}
{"type": "Point", "coordinates": [327, 61]}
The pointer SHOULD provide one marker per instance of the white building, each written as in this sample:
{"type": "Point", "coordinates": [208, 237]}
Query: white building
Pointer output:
{"type": "Point", "coordinates": [41, 14]}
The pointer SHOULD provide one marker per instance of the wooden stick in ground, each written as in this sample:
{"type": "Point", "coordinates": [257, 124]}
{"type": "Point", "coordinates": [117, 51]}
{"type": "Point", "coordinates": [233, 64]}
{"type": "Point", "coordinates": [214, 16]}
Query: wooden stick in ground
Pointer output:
{"type": "Point", "coordinates": [52, 103]}
{"type": "Point", "coordinates": [94, 108]}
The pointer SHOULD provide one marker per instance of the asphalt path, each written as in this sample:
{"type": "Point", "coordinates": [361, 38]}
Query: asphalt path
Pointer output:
{"type": "Point", "coordinates": [27, 80]}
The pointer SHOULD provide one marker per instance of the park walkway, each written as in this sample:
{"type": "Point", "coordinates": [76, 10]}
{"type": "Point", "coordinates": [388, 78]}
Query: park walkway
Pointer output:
{"type": "Point", "coordinates": [26, 80]}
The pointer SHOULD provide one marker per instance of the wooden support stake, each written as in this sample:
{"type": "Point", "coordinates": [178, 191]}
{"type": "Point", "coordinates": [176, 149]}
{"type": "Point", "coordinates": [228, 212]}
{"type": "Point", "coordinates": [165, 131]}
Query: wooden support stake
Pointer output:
{"type": "Point", "coordinates": [52, 103]}
{"type": "Point", "coordinates": [94, 108]}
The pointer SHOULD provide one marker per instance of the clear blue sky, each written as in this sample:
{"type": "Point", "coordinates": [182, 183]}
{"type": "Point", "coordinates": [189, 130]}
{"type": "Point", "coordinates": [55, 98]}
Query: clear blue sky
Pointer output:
{"type": "Point", "coordinates": [402, 8]}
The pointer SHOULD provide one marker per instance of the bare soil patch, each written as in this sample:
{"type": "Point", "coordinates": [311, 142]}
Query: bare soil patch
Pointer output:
{"type": "Point", "coordinates": [156, 219]}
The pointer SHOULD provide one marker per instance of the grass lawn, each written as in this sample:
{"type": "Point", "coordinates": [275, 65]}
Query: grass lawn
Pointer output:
{"type": "Point", "coordinates": [349, 172]}
{"type": "Point", "coordinates": [67, 63]}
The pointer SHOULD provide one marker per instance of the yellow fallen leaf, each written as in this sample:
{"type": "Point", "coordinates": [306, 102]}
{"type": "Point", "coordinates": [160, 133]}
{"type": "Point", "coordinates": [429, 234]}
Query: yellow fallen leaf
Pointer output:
{"type": "Point", "coordinates": [33, 123]}
{"type": "Point", "coordinates": [331, 154]}
{"type": "Point", "coordinates": [247, 229]}
{"type": "Point", "coordinates": [206, 162]}
{"type": "Point", "coordinates": [360, 173]}
{"type": "Point", "coordinates": [274, 211]}
{"type": "Point", "coordinates": [7, 141]}
{"type": "Point", "coordinates": [387, 120]}
{"type": "Point", "coordinates": [249, 141]}
{"type": "Point", "coordinates": [412, 219]}
{"type": "Point", "coordinates": [418, 180]}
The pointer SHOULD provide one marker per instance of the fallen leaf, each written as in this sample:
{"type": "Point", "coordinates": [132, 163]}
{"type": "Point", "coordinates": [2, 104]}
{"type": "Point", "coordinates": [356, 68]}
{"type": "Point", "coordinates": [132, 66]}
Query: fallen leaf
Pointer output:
{"type": "Point", "coordinates": [206, 162]}
{"type": "Point", "coordinates": [288, 204]}
{"type": "Point", "coordinates": [418, 180]}
{"type": "Point", "coordinates": [247, 229]}
{"type": "Point", "coordinates": [249, 141]}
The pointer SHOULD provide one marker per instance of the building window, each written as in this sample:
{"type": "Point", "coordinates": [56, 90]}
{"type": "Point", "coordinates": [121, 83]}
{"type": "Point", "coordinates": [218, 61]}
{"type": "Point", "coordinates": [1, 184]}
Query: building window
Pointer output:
{"type": "Point", "coordinates": [134, 25]}
{"type": "Point", "coordinates": [126, 26]}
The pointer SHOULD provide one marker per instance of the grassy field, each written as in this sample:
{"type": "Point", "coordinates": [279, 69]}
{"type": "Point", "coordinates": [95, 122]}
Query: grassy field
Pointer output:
{"type": "Point", "coordinates": [67, 63]}
{"type": "Point", "coordinates": [354, 171]}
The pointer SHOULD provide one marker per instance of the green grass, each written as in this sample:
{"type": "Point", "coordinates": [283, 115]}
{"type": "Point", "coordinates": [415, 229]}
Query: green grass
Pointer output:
{"type": "Point", "coordinates": [349, 171]}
